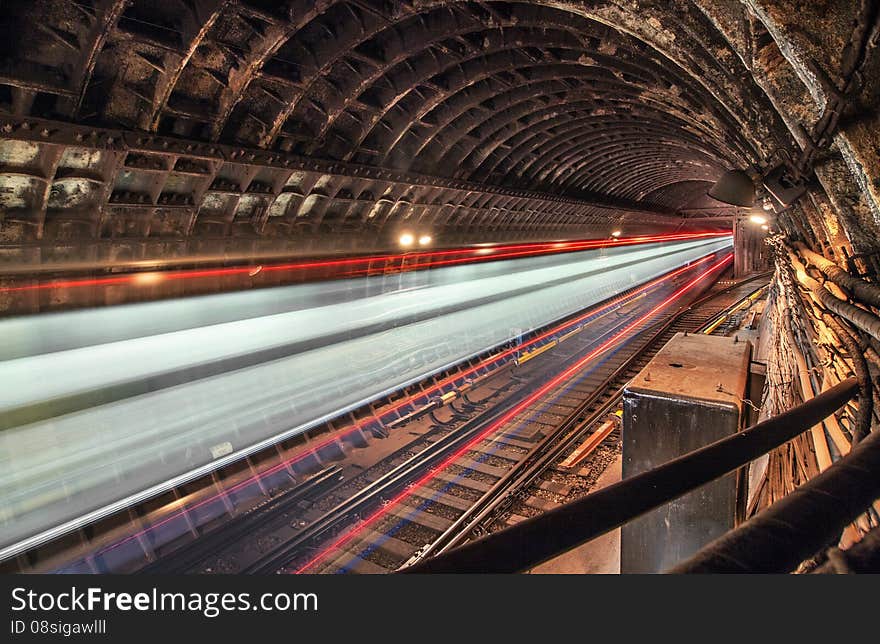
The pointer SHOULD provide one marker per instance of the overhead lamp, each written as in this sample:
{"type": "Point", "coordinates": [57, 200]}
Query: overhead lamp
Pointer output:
{"type": "Point", "coordinates": [765, 227]}
{"type": "Point", "coordinates": [406, 239]}
{"type": "Point", "coordinates": [616, 233]}
{"type": "Point", "coordinates": [424, 240]}
{"type": "Point", "coordinates": [785, 185]}
{"type": "Point", "coordinates": [735, 187]}
{"type": "Point", "coordinates": [148, 279]}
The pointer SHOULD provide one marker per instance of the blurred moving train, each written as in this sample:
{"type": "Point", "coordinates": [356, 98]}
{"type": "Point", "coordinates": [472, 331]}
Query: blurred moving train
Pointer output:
{"type": "Point", "coordinates": [101, 408]}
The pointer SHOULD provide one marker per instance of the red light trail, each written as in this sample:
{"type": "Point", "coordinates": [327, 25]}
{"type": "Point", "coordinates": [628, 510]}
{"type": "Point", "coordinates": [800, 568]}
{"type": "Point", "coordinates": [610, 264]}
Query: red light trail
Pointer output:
{"type": "Point", "coordinates": [427, 392]}
{"type": "Point", "coordinates": [362, 265]}
{"type": "Point", "coordinates": [506, 417]}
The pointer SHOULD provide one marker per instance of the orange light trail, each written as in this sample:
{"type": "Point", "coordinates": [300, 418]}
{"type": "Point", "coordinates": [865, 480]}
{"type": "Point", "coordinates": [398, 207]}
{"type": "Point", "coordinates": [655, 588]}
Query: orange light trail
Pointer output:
{"type": "Point", "coordinates": [427, 392]}
{"type": "Point", "coordinates": [362, 265]}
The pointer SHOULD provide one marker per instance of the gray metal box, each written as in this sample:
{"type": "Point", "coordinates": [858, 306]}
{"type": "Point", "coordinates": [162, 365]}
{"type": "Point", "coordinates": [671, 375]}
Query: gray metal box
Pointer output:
{"type": "Point", "coordinates": [688, 396]}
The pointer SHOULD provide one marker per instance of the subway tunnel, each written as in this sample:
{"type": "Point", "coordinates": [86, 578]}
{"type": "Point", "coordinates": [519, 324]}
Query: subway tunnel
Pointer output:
{"type": "Point", "coordinates": [256, 254]}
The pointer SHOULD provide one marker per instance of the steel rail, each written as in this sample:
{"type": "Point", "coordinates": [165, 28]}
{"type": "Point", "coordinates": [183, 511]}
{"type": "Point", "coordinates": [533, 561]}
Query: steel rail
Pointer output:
{"type": "Point", "coordinates": [540, 538]}
{"type": "Point", "coordinates": [392, 481]}
{"type": "Point", "coordinates": [196, 551]}
{"type": "Point", "coordinates": [399, 477]}
{"type": "Point", "coordinates": [551, 447]}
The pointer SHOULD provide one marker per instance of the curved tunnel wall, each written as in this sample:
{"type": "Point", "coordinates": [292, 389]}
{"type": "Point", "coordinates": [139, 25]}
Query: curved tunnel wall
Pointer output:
{"type": "Point", "coordinates": [634, 107]}
{"type": "Point", "coordinates": [243, 125]}
{"type": "Point", "coordinates": [159, 129]}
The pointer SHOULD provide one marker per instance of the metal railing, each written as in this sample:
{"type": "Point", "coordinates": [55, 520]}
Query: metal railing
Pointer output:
{"type": "Point", "coordinates": [548, 535]}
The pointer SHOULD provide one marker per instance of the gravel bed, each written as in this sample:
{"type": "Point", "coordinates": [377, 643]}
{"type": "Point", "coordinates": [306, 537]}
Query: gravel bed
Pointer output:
{"type": "Point", "coordinates": [598, 462]}
{"type": "Point", "coordinates": [604, 455]}
{"type": "Point", "coordinates": [379, 557]}
{"type": "Point", "coordinates": [327, 503]}
{"type": "Point", "coordinates": [550, 496]}
{"type": "Point", "coordinates": [492, 459]}
{"type": "Point", "coordinates": [515, 451]}
{"type": "Point", "coordinates": [436, 508]}
{"type": "Point", "coordinates": [453, 489]}
{"type": "Point", "coordinates": [457, 470]}
{"type": "Point", "coordinates": [415, 534]}
{"type": "Point", "coordinates": [522, 510]}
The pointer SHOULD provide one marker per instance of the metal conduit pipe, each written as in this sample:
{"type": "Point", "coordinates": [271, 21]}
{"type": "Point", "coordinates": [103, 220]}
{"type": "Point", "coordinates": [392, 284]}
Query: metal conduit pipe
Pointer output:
{"type": "Point", "coordinates": [863, 556]}
{"type": "Point", "coordinates": [861, 290]}
{"type": "Point", "coordinates": [540, 538]}
{"type": "Point", "coordinates": [799, 525]}
{"type": "Point", "coordinates": [817, 432]}
{"type": "Point", "coordinates": [860, 366]}
{"type": "Point", "coordinates": [867, 322]}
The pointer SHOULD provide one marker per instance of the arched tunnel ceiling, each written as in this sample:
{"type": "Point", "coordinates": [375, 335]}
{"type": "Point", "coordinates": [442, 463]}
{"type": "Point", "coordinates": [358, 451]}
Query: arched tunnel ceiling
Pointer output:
{"type": "Point", "coordinates": [510, 93]}
{"type": "Point", "coordinates": [633, 108]}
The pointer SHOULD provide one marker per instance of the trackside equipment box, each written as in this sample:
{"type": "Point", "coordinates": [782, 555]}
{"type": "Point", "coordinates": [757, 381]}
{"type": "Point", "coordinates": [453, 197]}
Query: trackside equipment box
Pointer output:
{"type": "Point", "coordinates": [688, 396]}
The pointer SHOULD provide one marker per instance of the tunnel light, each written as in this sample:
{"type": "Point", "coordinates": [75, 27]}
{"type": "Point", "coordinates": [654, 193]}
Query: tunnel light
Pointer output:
{"type": "Point", "coordinates": [424, 240]}
{"type": "Point", "coordinates": [735, 187]}
{"type": "Point", "coordinates": [255, 270]}
{"type": "Point", "coordinates": [147, 279]}
{"type": "Point", "coordinates": [758, 219]}
{"type": "Point", "coordinates": [765, 227]}
{"type": "Point", "coordinates": [406, 239]}
{"type": "Point", "coordinates": [616, 233]}
{"type": "Point", "coordinates": [360, 265]}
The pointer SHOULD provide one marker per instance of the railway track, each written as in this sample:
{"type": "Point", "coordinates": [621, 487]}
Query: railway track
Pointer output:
{"type": "Point", "coordinates": [301, 504]}
{"type": "Point", "coordinates": [211, 551]}
{"type": "Point", "coordinates": [192, 554]}
{"type": "Point", "coordinates": [445, 437]}
{"type": "Point", "coordinates": [473, 477]}
{"type": "Point", "coordinates": [425, 514]}
{"type": "Point", "coordinates": [522, 485]}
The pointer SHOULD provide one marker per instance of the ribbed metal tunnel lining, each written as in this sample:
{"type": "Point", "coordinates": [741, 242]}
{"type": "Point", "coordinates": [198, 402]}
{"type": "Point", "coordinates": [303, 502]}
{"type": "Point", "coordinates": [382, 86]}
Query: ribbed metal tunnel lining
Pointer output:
{"type": "Point", "coordinates": [506, 93]}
